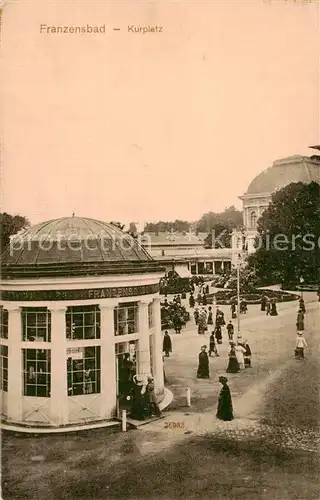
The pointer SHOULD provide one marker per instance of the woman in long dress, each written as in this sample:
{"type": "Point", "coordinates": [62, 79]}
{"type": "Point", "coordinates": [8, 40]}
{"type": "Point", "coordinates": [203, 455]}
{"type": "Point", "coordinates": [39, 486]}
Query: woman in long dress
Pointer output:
{"type": "Point", "coordinates": [247, 355]}
{"type": "Point", "coordinates": [240, 350]}
{"type": "Point", "coordinates": [300, 321]}
{"type": "Point", "coordinates": [139, 404]}
{"type": "Point", "coordinates": [212, 345]}
{"type": "Point", "coordinates": [233, 365]}
{"type": "Point", "coordinates": [203, 367]}
{"type": "Point", "coordinates": [191, 301]}
{"type": "Point", "coordinates": [218, 334]}
{"type": "Point", "coordinates": [210, 318]}
{"type": "Point", "coordinates": [274, 311]}
{"type": "Point", "coordinates": [225, 409]}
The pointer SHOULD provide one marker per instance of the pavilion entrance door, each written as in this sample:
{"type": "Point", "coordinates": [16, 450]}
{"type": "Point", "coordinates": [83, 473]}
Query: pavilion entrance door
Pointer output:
{"type": "Point", "coordinates": [126, 363]}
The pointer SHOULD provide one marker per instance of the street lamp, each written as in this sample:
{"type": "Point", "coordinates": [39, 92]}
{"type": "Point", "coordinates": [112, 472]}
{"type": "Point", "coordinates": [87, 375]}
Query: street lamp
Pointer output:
{"type": "Point", "coordinates": [301, 283]}
{"type": "Point", "coordinates": [238, 294]}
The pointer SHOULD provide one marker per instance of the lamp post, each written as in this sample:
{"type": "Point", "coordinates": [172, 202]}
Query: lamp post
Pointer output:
{"type": "Point", "coordinates": [238, 294]}
{"type": "Point", "coordinates": [301, 283]}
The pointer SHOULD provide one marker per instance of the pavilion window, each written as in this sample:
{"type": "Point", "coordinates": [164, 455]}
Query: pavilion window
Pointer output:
{"type": "Point", "coordinates": [201, 268]}
{"type": "Point", "coordinates": [83, 322]}
{"type": "Point", "coordinates": [4, 322]}
{"type": "Point", "coordinates": [253, 220]}
{"type": "Point", "coordinates": [4, 368]}
{"type": "Point", "coordinates": [150, 315]}
{"type": "Point", "coordinates": [36, 324]}
{"type": "Point", "coordinates": [126, 319]}
{"type": "Point", "coordinates": [37, 372]}
{"type": "Point", "coordinates": [83, 370]}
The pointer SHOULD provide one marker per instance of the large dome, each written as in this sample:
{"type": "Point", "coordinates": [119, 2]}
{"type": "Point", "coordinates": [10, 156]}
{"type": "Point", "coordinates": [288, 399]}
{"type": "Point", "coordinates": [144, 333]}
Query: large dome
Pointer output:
{"type": "Point", "coordinates": [283, 172]}
{"type": "Point", "coordinates": [73, 240]}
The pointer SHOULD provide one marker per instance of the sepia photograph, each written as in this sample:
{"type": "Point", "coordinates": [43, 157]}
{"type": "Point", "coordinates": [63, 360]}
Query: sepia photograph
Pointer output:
{"type": "Point", "coordinates": [160, 249]}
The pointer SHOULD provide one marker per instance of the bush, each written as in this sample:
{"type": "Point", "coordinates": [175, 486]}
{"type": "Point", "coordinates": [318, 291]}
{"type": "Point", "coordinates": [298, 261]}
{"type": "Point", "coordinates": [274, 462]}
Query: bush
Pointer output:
{"type": "Point", "coordinates": [224, 297]}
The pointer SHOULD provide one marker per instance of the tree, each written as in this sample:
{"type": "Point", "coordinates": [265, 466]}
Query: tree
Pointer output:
{"type": "Point", "coordinates": [178, 226]}
{"type": "Point", "coordinates": [230, 216]}
{"type": "Point", "coordinates": [219, 237]}
{"type": "Point", "coordinates": [10, 225]}
{"type": "Point", "coordinates": [288, 241]}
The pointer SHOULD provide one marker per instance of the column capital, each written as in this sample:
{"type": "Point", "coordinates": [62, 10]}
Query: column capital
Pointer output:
{"type": "Point", "coordinates": [11, 307]}
{"type": "Point", "coordinates": [145, 301]}
{"type": "Point", "coordinates": [111, 304]}
{"type": "Point", "coordinates": [57, 308]}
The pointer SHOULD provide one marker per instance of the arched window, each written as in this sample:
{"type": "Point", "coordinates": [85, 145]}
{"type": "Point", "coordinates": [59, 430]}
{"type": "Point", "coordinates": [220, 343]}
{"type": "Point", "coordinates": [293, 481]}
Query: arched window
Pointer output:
{"type": "Point", "coordinates": [253, 220]}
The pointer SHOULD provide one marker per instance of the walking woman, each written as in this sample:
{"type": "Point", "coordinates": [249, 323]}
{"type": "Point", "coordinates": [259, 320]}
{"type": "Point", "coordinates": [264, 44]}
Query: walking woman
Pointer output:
{"type": "Point", "coordinates": [167, 344]}
{"type": "Point", "coordinates": [203, 367]}
{"type": "Point", "coordinates": [274, 311]}
{"type": "Point", "coordinates": [300, 321]}
{"type": "Point", "coordinates": [233, 365]}
{"type": "Point", "coordinates": [212, 345]}
{"type": "Point", "coordinates": [210, 318]}
{"type": "Point", "coordinates": [247, 355]}
{"type": "Point", "coordinates": [225, 409]}
{"type": "Point", "coordinates": [218, 334]}
{"type": "Point", "coordinates": [191, 301]}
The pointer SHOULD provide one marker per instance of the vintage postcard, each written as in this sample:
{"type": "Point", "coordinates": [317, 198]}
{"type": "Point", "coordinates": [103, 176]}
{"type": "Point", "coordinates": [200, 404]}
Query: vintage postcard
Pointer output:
{"type": "Point", "coordinates": [160, 249]}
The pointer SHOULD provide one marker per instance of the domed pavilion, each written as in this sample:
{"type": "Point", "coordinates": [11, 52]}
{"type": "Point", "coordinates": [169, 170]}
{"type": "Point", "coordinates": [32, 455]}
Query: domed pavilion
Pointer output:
{"type": "Point", "coordinates": [80, 316]}
{"type": "Point", "coordinates": [258, 195]}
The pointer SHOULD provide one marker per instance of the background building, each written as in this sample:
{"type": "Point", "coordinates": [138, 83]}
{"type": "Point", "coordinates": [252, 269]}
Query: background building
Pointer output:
{"type": "Point", "coordinates": [78, 297]}
{"type": "Point", "coordinates": [258, 195]}
{"type": "Point", "coordinates": [185, 253]}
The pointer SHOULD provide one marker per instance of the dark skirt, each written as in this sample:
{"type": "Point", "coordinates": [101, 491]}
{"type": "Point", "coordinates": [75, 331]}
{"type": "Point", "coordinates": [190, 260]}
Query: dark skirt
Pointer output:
{"type": "Point", "coordinates": [300, 325]}
{"type": "Point", "coordinates": [233, 366]}
{"type": "Point", "coordinates": [247, 362]}
{"type": "Point", "coordinates": [203, 369]}
{"type": "Point", "coordinates": [274, 311]}
{"type": "Point", "coordinates": [225, 410]}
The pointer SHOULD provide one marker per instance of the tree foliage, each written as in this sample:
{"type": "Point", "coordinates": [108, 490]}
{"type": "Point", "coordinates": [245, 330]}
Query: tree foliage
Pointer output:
{"type": "Point", "coordinates": [178, 226]}
{"type": "Point", "coordinates": [231, 217]}
{"type": "Point", "coordinates": [288, 242]}
{"type": "Point", "coordinates": [219, 237]}
{"type": "Point", "coordinates": [10, 225]}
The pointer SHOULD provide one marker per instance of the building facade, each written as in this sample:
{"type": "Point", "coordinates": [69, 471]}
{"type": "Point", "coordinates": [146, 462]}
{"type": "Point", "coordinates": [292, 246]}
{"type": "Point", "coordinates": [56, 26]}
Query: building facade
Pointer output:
{"type": "Point", "coordinates": [78, 297]}
{"type": "Point", "coordinates": [258, 195]}
{"type": "Point", "coordinates": [186, 254]}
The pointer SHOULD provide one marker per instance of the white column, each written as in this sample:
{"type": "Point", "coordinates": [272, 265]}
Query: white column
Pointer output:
{"type": "Point", "coordinates": [143, 349]}
{"type": "Point", "coordinates": [108, 384]}
{"type": "Point", "coordinates": [59, 385]}
{"type": "Point", "coordinates": [15, 369]}
{"type": "Point", "coordinates": [157, 348]}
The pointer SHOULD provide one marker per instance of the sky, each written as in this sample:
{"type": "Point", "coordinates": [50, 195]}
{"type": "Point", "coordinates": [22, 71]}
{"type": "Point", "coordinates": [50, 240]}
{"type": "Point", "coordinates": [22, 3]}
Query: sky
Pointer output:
{"type": "Point", "coordinates": [158, 126]}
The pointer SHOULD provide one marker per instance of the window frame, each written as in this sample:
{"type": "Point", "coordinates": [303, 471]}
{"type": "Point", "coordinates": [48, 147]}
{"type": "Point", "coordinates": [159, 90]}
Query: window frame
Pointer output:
{"type": "Point", "coordinates": [37, 326]}
{"type": "Point", "coordinates": [78, 383]}
{"type": "Point", "coordinates": [132, 323]}
{"type": "Point", "coordinates": [78, 319]}
{"type": "Point", "coordinates": [4, 323]}
{"type": "Point", "coordinates": [4, 368]}
{"type": "Point", "coordinates": [37, 359]}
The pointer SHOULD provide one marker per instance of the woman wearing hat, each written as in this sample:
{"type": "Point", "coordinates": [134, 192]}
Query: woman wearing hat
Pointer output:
{"type": "Point", "coordinates": [225, 409]}
{"type": "Point", "coordinates": [203, 367]}
{"type": "Point", "coordinates": [139, 404]}
{"type": "Point", "coordinates": [300, 346]}
{"type": "Point", "coordinates": [233, 365]}
{"type": "Point", "coordinates": [300, 321]}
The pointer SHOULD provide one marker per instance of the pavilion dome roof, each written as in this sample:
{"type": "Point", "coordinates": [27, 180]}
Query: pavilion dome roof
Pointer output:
{"type": "Point", "coordinates": [283, 172]}
{"type": "Point", "coordinates": [73, 241]}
